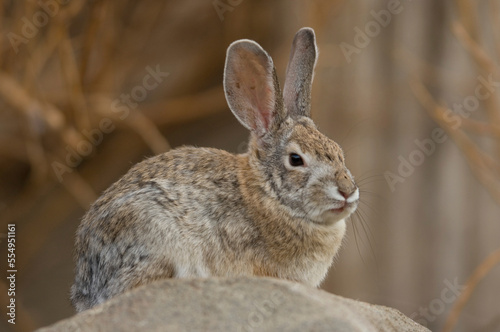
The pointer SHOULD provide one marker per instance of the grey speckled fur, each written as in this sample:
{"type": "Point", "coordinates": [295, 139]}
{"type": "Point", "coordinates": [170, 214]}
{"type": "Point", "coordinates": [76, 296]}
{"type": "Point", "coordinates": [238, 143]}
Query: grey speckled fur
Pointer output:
{"type": "Point", "coordinates": [200, 212]}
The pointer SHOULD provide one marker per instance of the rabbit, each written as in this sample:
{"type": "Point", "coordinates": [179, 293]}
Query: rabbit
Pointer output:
{"type": "Point", "coordinates": [278, 210]}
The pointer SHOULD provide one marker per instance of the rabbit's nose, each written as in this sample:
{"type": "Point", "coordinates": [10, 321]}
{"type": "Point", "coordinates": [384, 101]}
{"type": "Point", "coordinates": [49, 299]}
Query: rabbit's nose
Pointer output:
{"type": "Point", "coordinates": [351, 195]}
{"type": "Point", "coordinates": [346, 186]}
{"type": "Point", "coordinates": [346, 194]}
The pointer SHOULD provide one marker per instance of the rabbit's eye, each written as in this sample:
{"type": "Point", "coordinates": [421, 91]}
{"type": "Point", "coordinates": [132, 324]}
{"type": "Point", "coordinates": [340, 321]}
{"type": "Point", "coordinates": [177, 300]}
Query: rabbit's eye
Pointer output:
{"type": "Point", "coordinates": [296, 160]}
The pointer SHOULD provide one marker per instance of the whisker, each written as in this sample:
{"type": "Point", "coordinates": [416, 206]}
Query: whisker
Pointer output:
{"type": "Point", "coordinates": [373, 176]}
{"type": "Point", "coordinates": [369, 233]}
{"type": "Point", "coordinates": [366, 175]}
{"type": "Point", "coordinates": [369, 206]}
{"type": "Point", "coordinates": [373, 194]}
{"type": "Point", "coordinates": [356, 241]}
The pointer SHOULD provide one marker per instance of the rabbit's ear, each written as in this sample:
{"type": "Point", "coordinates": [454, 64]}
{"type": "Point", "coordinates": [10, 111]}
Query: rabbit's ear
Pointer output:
{"type": "Point", "coordinates": [251, 87]}
{"type": "Point", "coordinates": [299, 73]}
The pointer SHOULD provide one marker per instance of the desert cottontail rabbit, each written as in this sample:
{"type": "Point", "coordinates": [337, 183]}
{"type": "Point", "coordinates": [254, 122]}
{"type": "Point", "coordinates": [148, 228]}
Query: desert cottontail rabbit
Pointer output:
{"type": "Point", "coordinates": [278, 210]}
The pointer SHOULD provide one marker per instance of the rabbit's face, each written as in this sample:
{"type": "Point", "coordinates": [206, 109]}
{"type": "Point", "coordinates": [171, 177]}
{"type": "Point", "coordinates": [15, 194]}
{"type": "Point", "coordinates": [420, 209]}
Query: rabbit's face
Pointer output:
{"type": "Point", "coordinates": [310, 173]}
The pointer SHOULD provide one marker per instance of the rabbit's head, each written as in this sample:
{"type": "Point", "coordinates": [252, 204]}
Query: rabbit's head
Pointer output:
{"type": "Point", "coordinates": [303, 168]}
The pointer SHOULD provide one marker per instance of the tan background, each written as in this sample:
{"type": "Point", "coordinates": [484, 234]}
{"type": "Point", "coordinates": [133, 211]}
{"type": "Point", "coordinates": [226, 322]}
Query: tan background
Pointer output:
{"type": "Point", "coordinates": [403, 248]}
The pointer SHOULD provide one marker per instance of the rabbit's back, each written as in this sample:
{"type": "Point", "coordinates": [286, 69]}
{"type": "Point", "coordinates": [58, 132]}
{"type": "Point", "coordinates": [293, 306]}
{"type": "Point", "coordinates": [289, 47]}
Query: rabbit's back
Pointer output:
{"type": "Point", "coordinates": [178, 214]}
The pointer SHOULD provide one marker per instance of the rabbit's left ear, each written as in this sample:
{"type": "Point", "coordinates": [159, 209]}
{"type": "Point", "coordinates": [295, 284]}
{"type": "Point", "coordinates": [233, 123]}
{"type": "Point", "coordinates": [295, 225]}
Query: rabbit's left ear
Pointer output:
{"type": "Point", "coordinates": [299, 73]}
{"type": "Point", "coordinates": [251, 87]}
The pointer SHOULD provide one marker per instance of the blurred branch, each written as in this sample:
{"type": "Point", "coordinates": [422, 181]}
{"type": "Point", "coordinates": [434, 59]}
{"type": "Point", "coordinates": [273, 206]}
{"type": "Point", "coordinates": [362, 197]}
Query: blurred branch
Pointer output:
{"type": "Point", "coordinates": [90, 35]}
{"type": "Point", "coordinates": [481, 128]}
{"type": "Point", "coordinates": [479, 55]}
{"type": "Point", "coordinates": [187, 108]}
{"type": "Point", "coordinates": [479, 273]}
{"type": "Point", "coordinates": [494, 11]}
{"type": "Point", "coordinates": [481, 164]}
{"type": "Point", "coordinates": [73, 82]}
{"type": "Point", "coordinates": [468, 15]}
{"type": "Point", "coordinates": [486, 64]}
{"type": "Point", "coordinates": [15, 95]}
{"type": "Point", "coordinates": [35, 111]}
{"type": "Point", "coordinates": [423, 70]}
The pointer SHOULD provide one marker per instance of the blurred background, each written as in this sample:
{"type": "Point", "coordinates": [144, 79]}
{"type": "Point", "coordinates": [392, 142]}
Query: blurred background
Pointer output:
{"type": "Point", "coordinates": [410, 90]}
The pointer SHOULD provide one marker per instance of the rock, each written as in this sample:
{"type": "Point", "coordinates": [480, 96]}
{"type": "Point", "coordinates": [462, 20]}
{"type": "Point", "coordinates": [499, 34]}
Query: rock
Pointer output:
{"type": "Point", "coordinates": [235, 304]}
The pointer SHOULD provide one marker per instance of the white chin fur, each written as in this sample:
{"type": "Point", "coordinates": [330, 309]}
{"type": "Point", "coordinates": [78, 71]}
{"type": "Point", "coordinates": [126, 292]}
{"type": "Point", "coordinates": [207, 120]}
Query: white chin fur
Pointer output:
{"type": "Point", "coordinates": [354, 197]}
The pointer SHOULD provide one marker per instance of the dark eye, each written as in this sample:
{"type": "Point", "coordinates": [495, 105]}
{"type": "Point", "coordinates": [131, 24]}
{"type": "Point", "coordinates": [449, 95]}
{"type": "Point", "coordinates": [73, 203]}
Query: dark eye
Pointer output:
{"type": "Point", "coordinates": [296, 160]}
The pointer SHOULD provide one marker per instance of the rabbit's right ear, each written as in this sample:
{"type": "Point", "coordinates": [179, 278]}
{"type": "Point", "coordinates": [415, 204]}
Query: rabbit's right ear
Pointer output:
{"type": "Point", "coordinates": [251, 87]}
{"type": "Point", "coordinates": [300, 72]}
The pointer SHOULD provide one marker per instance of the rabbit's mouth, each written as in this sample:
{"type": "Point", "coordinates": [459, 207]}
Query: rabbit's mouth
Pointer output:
{"type": "Point", "coordinates": [338, 210]}
{"type": "Point", "coordinates": [343, 206]}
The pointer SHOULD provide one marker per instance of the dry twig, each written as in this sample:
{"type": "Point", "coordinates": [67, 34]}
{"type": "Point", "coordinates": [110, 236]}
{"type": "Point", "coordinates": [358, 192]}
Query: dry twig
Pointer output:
{"type": "Point", "coordinates": [479, 273]}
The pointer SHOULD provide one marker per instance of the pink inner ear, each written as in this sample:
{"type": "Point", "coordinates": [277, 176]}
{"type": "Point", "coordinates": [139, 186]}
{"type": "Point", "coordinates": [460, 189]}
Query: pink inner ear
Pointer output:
{"type": "Point", "coordinates": [261, 97]}
{"type": "Point", "coordinates": [268, 107]}
{"type": "Point", "coordinates": [257, 86]}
